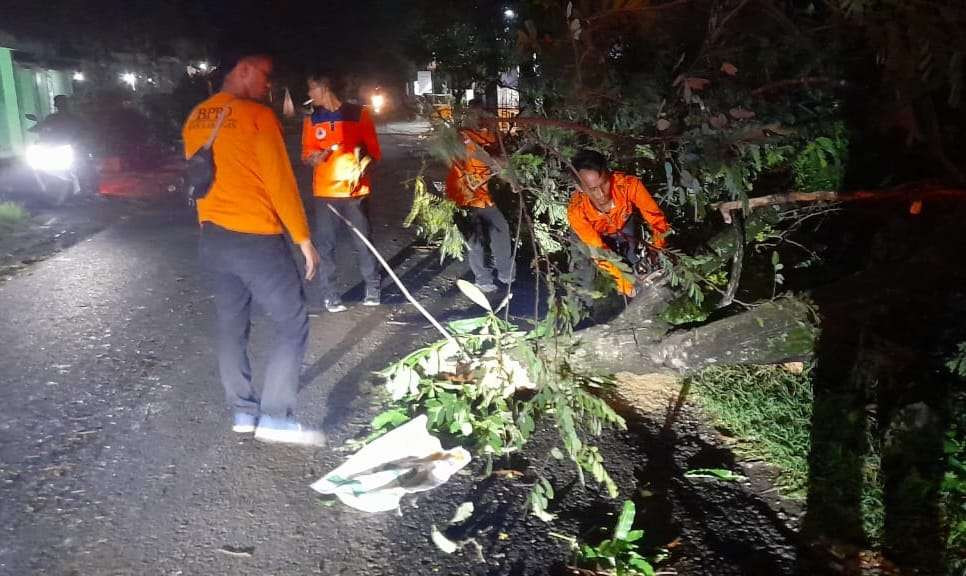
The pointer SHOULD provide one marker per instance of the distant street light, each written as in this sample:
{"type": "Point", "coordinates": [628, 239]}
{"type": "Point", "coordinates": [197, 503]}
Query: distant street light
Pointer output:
{"type": "Point", "coordinates": [78, 76]}
{"type": "Point", "coordinates": [130, 79]}
{"type": "Point", "coordinates": [509, 14]}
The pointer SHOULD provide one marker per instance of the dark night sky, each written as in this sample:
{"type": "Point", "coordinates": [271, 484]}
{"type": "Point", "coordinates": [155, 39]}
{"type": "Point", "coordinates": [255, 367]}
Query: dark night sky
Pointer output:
{"type": "Point", "coordinates": [364, 32]}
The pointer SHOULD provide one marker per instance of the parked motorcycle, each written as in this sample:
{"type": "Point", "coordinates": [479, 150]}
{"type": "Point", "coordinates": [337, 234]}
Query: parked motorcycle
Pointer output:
{"type": "Point", "coordinates": [61, 166]}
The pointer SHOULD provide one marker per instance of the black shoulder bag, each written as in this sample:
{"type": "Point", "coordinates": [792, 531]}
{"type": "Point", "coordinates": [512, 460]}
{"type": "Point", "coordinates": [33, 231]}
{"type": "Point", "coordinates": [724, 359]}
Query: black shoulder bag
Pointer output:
{"type": "Point", "coordinates": [200, 168]}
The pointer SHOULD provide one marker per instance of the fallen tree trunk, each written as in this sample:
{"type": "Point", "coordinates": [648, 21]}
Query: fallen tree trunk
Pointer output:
{"type": "Point", "coordinates": [772, 333]}
{"type": "Point", "coordinates": [639, 340]}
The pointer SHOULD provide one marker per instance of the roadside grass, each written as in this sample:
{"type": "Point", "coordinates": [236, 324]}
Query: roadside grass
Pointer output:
{"type": "Point", "coordinates": [954, 487]}
{"type": "Point", "coordinates": [768, 410]}
{"type": "Point", "coordinates": [12, 217]}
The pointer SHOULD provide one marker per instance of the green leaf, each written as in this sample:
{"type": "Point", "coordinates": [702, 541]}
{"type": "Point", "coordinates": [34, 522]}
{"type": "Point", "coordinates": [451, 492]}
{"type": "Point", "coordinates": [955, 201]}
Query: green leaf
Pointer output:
{"type": "Point", "coordinates": [468, 325]}
{"type": "Point", "coordinates": [475, 294]}
{"type": "Point", "coordinates": [626, 521]}
{"type": "Point", "coordinates": [642, 566]}
{"type": "Point", "coordinates": [644, 151]}
{"type": "Point", "coordinates": [716, 473]}
{"type": "Point", "coordinates": [525, 424]}
{"type": "Point", "coordinates": [634, 535]}
{"type": "Point", "coordinates": [547, 487]}
{"type": "Point", "coordinates": [393, 417]}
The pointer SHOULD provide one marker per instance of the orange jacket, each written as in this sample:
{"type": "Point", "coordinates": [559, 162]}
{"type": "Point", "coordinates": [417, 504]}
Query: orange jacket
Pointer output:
{"type": "Point", "coordinates": [343, 132]}
{"type": "Point", "coordinates": [254, 190]}
{"type": "Point", "coordinates": [466, 183]}
{"type": "Point", "coordinates": [590, 224]}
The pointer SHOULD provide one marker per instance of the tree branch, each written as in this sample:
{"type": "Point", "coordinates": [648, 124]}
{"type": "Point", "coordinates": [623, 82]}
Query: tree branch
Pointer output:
{"type": "Point", "coordinates": [638, 10]}
{"type": "Point", "coordinates": [912, 192]}
{"type": "Point", "coordinates": [736, 262]}
{"type": "Point", "coordinates": [535, 121]}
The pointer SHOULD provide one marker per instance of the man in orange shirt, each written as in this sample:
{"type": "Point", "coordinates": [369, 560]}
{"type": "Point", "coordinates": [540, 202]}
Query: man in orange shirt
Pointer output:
{"type": "Point", "coordinates": [252, 202]}
{"type": "Point", "coordinates": [467, 186]}
{"type": "Point", "coordinates": [605, 213]}
{"type": "Point", "coordinates": [339, 141]}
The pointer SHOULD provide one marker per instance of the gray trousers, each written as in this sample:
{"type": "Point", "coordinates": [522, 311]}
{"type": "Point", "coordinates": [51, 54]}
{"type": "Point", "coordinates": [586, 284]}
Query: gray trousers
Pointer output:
{"type": "Point", "coordinates": [483, 223]}
{"type": "Point", "coordinates": [329, 228]}
{"type": "Point", "coordinates": [242, 268]}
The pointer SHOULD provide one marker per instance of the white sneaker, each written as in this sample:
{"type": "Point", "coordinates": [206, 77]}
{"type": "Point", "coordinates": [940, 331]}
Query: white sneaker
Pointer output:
{"type": "Point", "coordinates": [287, 431]}
{"type": "Point", "coordinates": [334, 305]}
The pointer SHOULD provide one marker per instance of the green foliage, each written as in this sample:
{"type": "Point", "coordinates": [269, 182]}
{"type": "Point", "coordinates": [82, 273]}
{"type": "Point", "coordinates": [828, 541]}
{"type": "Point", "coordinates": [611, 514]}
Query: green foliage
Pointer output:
{"type": "Point", "coordinates": [12, 216]}
{"type": "Point", "coordinates": [821, 164]}
{"type": "Point", "coordinates": [953, 488]}
{"type": "Point", "coordinates": [768, 410]}
{"type": "Point", "coordinates": [684, 310]}
{"type": "Point", "coordinates": [435, 220]}
{"type": "Point", "coordinates": [957, 364]}
{"type": "Point", "coordinates": [619, 554]}
{"type": "Point", "coordinates": [471, 392]}
{"type": "Point", "coordinates": [873, 489]}
{"type": "Point", "coordinates": [540, 497]}
{"type": "Point", "coordinates": [469, 42]}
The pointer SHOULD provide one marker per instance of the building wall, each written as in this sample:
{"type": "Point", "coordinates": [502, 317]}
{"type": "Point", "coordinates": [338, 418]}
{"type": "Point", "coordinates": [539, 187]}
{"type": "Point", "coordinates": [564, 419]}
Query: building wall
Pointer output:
{"type": "Point", "coordinates": [11, 136]}
{"type": "Point", "coordinates": [25, 90]}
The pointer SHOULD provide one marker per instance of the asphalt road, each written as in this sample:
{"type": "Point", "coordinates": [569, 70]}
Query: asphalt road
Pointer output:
{"type": "Point", "coordinates": [115, 450]}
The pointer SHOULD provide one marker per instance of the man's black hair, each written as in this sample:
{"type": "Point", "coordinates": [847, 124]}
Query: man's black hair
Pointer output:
{"type": "Point", "coordinates": [228, 59]}
{"type": "Point", "coordinates": [332, 79]}
{"type": "Point", "coordinates": [590, 160]}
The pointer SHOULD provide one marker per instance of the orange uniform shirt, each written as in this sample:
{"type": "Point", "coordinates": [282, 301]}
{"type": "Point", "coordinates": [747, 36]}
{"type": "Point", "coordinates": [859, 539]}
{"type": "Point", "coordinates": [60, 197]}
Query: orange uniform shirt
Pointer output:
{"type": "Point", "coordinates": [254, 190]}
{"type": "Point", "coordinates": [466, 183]}
{"type": "Point", "coordinates": [343, 132]}
{"type": "Point", "coordinates": [590, 224]}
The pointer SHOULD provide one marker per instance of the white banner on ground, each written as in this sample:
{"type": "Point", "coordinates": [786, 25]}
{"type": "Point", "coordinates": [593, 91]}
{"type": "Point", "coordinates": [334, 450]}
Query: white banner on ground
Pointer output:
{"type": "Point", "coordinates": [406, 460]}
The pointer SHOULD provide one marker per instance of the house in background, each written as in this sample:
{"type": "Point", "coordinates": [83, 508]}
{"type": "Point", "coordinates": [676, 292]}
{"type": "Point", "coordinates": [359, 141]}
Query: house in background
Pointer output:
{"type": "Point", "coordinates": [433, 89]}
{"type": "Point", "coordinates": [29, 80]}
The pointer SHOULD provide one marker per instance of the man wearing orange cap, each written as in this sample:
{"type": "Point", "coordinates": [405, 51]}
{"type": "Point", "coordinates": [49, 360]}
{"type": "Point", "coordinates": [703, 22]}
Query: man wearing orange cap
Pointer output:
{"type": "Point", "coordinates": [605, 210]}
